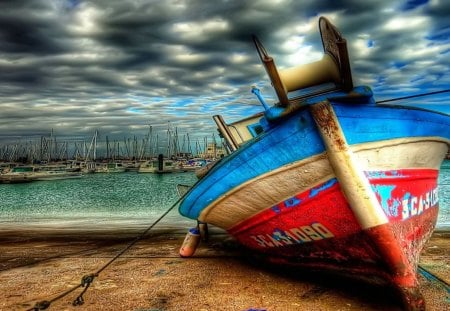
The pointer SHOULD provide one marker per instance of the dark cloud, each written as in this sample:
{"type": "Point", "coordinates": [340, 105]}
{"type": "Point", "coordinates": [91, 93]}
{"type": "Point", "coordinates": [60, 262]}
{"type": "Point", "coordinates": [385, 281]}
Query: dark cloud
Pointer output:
{"type": "Point", "coordinates": [118, 66]}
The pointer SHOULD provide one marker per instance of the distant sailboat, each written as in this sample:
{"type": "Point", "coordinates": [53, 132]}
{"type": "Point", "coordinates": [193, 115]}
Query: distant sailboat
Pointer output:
{"type": "Point", "coordinates": [115, 167]}
{"type": "Point", "coordinates": [163, 165]}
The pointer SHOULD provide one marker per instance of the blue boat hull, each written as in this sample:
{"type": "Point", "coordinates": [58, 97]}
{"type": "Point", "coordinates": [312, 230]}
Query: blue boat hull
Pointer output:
{"type": "Point", "coordinates": [296, 138]}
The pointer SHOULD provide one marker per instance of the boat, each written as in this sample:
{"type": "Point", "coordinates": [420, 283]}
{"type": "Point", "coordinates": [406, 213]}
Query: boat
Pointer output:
{"type": "Point", "coordinates": [88, 167]}
{"type": "Point", "coordinates": [131, 166]}
{"type": "Point", "coordinates": [55, 172]}
{"type": "Point", "coordinates": [115, 167]}
{"type": "Point", "coordinates": [327, 179]}
{"type": "Point", "coordinates": [28, 173]}
{"type": "Point", "coordinates": [107, 167]}
{"type": "Point", "coordinates": [195, 164]}
{"type": "Point", "coordinates": [17, 174]}
{"type": "Point", "coordinates": [164, 165]}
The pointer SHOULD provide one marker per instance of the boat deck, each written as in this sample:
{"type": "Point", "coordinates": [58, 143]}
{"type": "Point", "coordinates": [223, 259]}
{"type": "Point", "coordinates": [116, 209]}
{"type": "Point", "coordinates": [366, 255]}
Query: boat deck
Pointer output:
{"type": "Point", "coordinates": [40, 265]}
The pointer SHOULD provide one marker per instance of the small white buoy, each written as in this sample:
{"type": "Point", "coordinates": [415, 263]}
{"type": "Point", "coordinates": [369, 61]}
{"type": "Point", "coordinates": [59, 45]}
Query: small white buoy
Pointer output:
{"type": "Point", "coordinates": [190, 243]}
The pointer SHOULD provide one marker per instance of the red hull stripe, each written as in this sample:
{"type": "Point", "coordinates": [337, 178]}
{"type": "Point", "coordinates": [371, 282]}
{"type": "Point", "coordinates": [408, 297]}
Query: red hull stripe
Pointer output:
{"type": "Point", "coordinates": [322, 212]}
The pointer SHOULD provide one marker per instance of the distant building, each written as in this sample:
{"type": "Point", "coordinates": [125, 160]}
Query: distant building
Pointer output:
{"type": "Point", "coordinates": [214, 151]}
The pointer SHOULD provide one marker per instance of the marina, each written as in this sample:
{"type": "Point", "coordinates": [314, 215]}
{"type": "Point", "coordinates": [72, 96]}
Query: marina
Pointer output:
{"type": "Point", "coordinates": [128, 199]}
{"type": "Point", "coordinates": [324, 186]}
{"type": "Point", "coordinates": [20, 163]}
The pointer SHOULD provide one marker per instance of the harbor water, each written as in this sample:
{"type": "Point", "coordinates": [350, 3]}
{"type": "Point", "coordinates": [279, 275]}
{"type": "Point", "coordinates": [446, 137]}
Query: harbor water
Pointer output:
{"type": "Point", "coordinates": [95, 201]}
{"type": "Point", "coordinates": [128, 200]}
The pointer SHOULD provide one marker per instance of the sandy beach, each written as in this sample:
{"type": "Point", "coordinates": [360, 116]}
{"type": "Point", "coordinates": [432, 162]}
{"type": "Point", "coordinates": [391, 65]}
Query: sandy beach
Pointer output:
{"type": "Point", "coordinates": [37, 265]}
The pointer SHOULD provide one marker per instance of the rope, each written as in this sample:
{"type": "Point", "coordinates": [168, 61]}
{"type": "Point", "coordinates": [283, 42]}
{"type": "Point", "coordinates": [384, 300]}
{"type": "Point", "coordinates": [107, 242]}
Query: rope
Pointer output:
{"type": "Point", "coordinates": [44, 304]}
{"type": "Point", "coordinates": [412, 96]}
{"type": "Point", "coordinates": [87, 280]}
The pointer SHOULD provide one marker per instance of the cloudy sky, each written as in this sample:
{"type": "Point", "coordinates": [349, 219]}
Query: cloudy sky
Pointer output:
{"type": "Point", "coordinates": [118, 66]}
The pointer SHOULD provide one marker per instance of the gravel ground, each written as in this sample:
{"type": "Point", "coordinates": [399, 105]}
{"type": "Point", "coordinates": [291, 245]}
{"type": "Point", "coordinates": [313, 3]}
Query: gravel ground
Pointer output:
{"type": "Point", "coordinates": [41, 265]}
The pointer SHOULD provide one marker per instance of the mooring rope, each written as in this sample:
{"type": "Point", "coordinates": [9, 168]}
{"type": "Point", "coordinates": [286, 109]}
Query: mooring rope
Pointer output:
{"type": "Point", "coordinates": [412, 96]}
{"type": "Point", "coordinates": [87, 280]}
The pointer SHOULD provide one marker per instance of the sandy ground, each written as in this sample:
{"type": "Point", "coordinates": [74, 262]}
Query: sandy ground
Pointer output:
{"type": "Point", "coordinates": [41, 265]}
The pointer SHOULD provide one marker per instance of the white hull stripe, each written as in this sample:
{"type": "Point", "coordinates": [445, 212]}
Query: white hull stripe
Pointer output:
{"type": "Point", "coordinates": [276, 186]}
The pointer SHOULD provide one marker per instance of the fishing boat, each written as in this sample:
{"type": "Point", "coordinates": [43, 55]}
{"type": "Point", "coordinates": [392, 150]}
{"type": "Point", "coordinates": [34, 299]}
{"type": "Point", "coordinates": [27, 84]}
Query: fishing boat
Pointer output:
{"type": "Point", "coordinates": [326, 178]}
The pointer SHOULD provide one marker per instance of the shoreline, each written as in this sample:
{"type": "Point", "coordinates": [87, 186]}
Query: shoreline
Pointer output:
{"type": "Point", "coordinates": [114, 223]}
{"type": "Point", "coordinates": [40, 264]}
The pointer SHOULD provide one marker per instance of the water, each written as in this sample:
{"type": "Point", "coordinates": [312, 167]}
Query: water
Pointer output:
{"type": "Point", "coordinates": [444, 196]}
{"type": "Point", "coordinates": [123, 199]}
{"type": "Point", "coordinates": [93, 201]}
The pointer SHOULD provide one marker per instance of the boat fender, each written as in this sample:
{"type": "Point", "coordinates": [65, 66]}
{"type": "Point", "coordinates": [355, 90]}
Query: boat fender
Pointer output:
{"type": "Point", "coordinates": [190, 243]}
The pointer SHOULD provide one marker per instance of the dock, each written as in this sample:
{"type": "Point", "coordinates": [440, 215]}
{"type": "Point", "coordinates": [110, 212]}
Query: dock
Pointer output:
{"type": "Point", "coordinates": [39, 265]}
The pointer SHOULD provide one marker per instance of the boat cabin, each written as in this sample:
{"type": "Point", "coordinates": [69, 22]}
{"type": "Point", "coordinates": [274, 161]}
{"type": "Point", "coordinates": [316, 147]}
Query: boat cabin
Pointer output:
{"type": "Point", "coordinates": [294, 86]}
{"type": "Point", "coordinates": [237, 133]}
